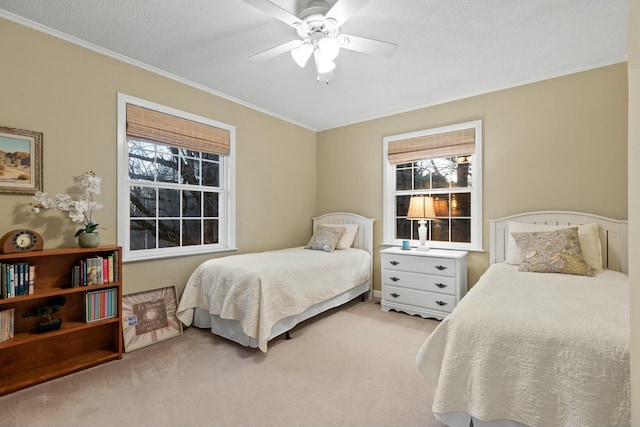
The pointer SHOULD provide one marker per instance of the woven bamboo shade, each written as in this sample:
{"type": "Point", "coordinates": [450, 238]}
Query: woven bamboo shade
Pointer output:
{"type": "Point", "coordinates": [146, 124]}
{"type": "Point", "coordinates": [447, 144]}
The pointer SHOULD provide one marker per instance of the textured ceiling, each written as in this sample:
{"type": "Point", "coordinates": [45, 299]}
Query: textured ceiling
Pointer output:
{"type": "Point", "coordinates": [447, 49]}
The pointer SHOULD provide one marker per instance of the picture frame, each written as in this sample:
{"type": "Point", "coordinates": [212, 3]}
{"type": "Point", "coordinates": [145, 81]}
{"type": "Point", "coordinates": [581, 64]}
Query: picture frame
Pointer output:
{"type": "Point", "coordinates": [20, 161]}
{"type": "Point", "coordinates": [149, 317]}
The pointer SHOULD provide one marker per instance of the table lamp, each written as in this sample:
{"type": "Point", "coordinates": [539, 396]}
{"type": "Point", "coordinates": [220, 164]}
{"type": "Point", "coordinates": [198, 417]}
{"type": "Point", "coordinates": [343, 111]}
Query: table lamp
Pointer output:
{"type": "Point", "coordinates": [421, 208]}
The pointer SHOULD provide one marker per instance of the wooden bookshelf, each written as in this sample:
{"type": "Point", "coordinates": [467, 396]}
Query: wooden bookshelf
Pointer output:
{"type": "Point", "coordinates": [30, 358]}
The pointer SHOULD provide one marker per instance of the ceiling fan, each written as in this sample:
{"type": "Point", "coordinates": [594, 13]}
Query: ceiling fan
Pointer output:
{"type": "Point", "coordinates": [318, 27]}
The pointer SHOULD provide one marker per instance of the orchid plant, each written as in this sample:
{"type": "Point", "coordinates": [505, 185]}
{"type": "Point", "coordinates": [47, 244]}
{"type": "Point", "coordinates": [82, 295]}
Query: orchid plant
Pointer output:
{"type": "Point", "coordinates": [81, 210]}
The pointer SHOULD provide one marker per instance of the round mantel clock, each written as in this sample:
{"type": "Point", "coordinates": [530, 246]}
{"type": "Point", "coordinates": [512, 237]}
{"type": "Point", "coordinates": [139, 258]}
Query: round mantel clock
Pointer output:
{"type": "Point", "coordinates": [23, 240]}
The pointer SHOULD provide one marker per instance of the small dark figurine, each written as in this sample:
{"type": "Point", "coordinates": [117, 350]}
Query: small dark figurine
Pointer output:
{"type": "Point", "coordinates": [52, 306]}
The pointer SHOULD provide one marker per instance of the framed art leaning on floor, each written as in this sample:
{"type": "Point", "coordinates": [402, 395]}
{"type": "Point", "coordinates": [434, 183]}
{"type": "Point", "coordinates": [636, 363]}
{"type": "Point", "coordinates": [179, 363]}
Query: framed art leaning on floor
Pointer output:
{"type": "Point", "coordinates": [149, 317]}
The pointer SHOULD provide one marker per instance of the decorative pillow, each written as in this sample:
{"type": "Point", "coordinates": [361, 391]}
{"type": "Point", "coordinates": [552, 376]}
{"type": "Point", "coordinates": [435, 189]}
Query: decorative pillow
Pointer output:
{"type": "Point", "coordinates": [349, 235]}
{"type": "Point", "coordinates": [588, 235]}
{"type": "Point", "coordinates": [591, 247]}
{"type": "Point", "coordinates": [325, 238]}
{"type": "Point", "coordinates": [555, 251]}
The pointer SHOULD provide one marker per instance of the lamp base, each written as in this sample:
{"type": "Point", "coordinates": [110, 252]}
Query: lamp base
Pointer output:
{"type": "Point", "coordinates": [422, 235]}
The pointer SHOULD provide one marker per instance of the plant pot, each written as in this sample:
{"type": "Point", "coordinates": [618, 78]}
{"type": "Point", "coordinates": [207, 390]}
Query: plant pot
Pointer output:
{"type": "Point", "coordinates": [48, 326]}
{"type": "Point", "coordinates": [89, 240]}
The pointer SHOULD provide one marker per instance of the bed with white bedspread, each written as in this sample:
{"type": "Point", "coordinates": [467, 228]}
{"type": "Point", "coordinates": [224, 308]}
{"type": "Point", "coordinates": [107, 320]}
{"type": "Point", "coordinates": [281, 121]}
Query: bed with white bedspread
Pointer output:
{"type": "Point", "coordinates": [253, 298]}
{"type": "Point", "coordinates": [537, 349]}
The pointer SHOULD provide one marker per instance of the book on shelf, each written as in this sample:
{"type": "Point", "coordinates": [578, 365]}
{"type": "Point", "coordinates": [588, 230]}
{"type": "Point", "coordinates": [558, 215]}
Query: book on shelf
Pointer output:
{"type": "Point", "coordinates": [110, 275]}
{"type": "Point", "coordinates": [32, 279]}
{"type": "Point", "coordinates": [95, 270]}
{"type": "Point", "coordinates": [6, 324]}
{"type": "Point", "coordinates": [4, 287]}
{"type": "Point", "coordinates": [102, 304]}
{"type": "Point", "coordinates": [17, 279]}
{"type": "Point", "coordinates": [116, 267]}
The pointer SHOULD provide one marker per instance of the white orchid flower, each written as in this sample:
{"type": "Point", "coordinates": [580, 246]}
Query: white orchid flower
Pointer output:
{"type": "Point", "coordinates": [80, 211]}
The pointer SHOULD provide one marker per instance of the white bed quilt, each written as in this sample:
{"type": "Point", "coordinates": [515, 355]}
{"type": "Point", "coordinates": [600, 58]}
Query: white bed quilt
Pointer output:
{"type": "Point", "coordinates": [258, 289]}
{"type": "Point", "coordinates": [542, 349]}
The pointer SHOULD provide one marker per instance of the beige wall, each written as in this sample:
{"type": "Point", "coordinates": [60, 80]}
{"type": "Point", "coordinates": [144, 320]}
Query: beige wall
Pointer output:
{"type": "Point", "coordinates": [69, 93]}
{"type": "Point", "coordinates": [634, 202]}
{"type": "Point", "coordinates": [560, 144]}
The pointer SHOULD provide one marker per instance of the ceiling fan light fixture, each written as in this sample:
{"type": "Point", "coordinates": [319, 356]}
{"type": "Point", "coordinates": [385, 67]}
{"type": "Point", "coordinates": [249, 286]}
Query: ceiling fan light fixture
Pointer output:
{"type": "Point", "coordinates": [324, 64]}
{"type": "Point", "coordinates": [302, 53]}
{"type": "Point", "coordinates": [329, 47]}
{"type": "Point", "coordinates": [318, 28]}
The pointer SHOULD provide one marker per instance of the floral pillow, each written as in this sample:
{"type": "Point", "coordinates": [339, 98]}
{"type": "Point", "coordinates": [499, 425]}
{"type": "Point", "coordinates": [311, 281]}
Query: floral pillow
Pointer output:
{"type": "Point", "coordinates": [556, 251]}
{"type": "Point", "coordinates": [349, 235]}
{"type": "Point", "coordinates": [587, 233]}
{"type": "Point", "coordinates": [325, 238]}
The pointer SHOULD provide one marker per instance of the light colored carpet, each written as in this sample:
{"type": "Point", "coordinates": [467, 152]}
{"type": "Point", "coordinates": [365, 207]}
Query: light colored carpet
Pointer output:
{"type": "Point", "coordinates": [352, 366]}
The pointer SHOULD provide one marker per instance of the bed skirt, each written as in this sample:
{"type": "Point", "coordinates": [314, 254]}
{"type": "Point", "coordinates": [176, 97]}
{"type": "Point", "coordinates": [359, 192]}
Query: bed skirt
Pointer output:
{"type": "Point", "coordinates": [232, 330]}
{"type": "Point", "coordinates": [462, 419]}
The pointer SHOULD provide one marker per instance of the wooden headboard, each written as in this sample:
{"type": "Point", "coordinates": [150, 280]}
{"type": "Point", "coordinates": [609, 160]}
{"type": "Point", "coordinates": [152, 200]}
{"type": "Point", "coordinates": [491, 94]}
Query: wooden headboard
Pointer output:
{"type": "Point", "coordinates": [613, 234]}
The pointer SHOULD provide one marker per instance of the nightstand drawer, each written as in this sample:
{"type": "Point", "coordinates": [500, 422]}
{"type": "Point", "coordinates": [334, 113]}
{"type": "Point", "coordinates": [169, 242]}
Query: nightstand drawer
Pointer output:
{"type": "Point", "coordinates": [440, 266]}
{"type": "Point", "coordinates": [418, 298]}
{"type": "Point", "coordinates": [420, 281]}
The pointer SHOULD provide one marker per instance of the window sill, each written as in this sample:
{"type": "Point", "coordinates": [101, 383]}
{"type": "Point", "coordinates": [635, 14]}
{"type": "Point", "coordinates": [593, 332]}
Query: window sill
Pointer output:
{"type": "Point", "coordinates": [155, 256]}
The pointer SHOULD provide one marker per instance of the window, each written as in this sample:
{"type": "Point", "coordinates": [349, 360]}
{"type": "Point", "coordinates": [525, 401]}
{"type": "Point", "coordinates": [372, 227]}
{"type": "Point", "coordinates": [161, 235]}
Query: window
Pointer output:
{"type": "Point", "coordinates": [446, 164]}
{"type": "Point", "coordinates": [175, 182]}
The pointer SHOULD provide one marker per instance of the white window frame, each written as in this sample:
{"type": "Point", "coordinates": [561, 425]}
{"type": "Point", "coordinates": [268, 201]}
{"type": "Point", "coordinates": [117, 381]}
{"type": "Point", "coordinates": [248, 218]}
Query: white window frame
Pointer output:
{"type": "Point", "coordinates": [227, 228]}
{"type": "Point", "coordinates": [389, 190]}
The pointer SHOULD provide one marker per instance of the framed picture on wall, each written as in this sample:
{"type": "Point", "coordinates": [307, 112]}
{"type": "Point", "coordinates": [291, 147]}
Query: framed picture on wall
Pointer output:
{"type": "Point", "coordinates": [149, 317]}
{"type": "Point", "coordinates": [20, 161]}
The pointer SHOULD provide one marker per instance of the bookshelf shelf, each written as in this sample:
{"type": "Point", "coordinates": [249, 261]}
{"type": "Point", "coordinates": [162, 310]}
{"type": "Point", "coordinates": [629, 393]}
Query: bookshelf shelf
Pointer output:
{"type": "Point", "coordinates": [50, 293]}
{"type": "Point", "coordinates": [29, 377]}
{"type": "Point", "coordinates": [21, 338]}
{"type": "Point", "coordinates": [30, 358]}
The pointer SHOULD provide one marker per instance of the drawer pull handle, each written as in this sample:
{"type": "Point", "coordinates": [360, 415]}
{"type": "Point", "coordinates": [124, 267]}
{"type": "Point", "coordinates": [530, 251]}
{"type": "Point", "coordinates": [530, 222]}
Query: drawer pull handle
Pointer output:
{"type": "Point", "coordinates": [394, 278]}
{"type": "Point", "coordinates": [441, 303]}
{"type": "Point", "coordinates": [441, 285]}
{"type": "Point", "coordinates": [441, 267]}
{"type": "Point", "coordinates": [395, 295]}
{"type": "Point", "coordinates": [394, 262]}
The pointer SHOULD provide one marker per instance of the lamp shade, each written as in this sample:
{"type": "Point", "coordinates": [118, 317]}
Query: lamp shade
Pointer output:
{"type": "Point", "coordinates": [329, 47]}
{"type": "Point", "coordinates": [324, 64]}
{"type": "Point", "coordinates": [302, 53]}
{"type": "Point", "coordinates": [421, 207]}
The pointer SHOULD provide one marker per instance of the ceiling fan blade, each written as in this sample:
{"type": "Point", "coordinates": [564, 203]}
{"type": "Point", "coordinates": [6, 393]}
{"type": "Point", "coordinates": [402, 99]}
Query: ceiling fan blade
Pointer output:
{"type": "Point", "coordinates": [276, 11]}
{"type": "Point", "coordinates": [344, 9]}
{"type": "Point", "coordinates": [275, 51]}
{"type": "Point", "coordinates": [365, 45]}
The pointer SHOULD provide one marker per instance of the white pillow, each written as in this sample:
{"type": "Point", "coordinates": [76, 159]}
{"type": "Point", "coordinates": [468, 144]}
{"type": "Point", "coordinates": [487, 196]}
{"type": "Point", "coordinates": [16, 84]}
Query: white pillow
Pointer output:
{"type": "Point", "coordinates": [588, 235]}
{"type": "Point", "coordinates": [349, 235]}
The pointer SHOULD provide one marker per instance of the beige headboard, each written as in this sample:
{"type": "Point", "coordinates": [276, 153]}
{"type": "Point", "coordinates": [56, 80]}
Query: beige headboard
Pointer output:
{"type": "Point", "coordinates": [613, 234]}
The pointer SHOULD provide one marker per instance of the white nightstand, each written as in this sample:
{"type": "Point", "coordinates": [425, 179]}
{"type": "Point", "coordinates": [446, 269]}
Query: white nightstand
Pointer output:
{"type": "Point", "coordinates": [428, 283]}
